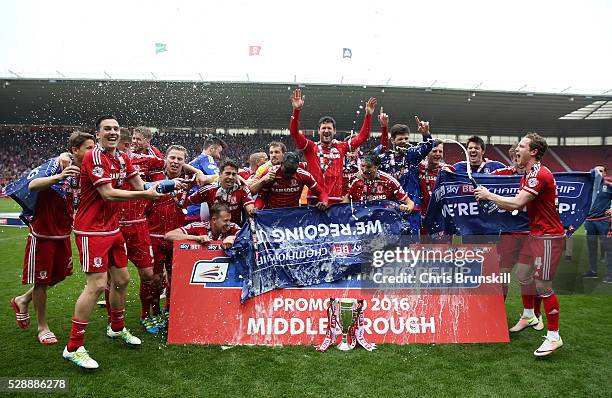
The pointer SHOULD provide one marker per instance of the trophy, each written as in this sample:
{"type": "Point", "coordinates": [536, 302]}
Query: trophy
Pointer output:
{"type": "Point", "coordinates": [347, 320]}
{"type": "Point", "coordinates": [345, 316]}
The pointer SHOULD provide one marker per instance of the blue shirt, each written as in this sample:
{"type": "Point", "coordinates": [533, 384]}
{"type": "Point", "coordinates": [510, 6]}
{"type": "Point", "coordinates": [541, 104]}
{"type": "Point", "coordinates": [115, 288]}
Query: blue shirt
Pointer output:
{"type": "Point", "coordinates": [208, 165]}
{"type": "Point", "coordinates": [405, 167]}
{"type": "Point", "coordinates": [602, 195]}
{"type": "Point", "coordinates": [485, 168]}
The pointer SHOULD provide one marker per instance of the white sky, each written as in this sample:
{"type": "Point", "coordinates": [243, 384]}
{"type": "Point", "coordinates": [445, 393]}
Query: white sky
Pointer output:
{"type": "Point", "coordinates": [545, 45]}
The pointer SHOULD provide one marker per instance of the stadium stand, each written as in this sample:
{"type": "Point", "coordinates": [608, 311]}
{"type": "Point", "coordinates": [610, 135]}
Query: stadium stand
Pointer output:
{"type": "Point", "coordinates": [26, 147]}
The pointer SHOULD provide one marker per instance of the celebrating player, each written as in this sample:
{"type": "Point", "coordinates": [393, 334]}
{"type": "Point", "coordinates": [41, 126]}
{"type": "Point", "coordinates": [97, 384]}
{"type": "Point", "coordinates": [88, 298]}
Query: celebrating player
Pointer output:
{"type": "Point", "coordinates": [325, 160]}
{"type": "Point", "coordinates": [227, 190]}
{"type": "Point", "coordinates": [163, 215]}
{"type": "Point", "coordinates": [218, 228]}
{"type": "Point", "coordinates": [541, 255]}
{"type": "Point", "coordinates": [479, 164]}
{"type": "Point", "coordinates": [510, 244]}
{"type": "Point", "coordinates": [48, 253]}
{"type": "Point", "coordinates": [402, 160]}
{"type": "Point", "coordinates": [281, 185]}
{"type": "Point", "coordinates": [371, 184]}
{"type": "Point", "coordinates": [256, 159]}
{"type": "Point", "coordinates": [207, 163]}
{"type": "Point", "coordinates": [141, 142]}
{"type": "Point", "coordinates": [100, 243]}
{"type": "Point", "coordinates": [429, 169]}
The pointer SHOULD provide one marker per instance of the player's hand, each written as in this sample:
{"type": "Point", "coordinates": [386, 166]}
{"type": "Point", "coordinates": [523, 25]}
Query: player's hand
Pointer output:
{"type": "Point", "coordinates": [270, 176]}
{"type": "Point", "coordinates": [251, 211]}
{"type": "Point", "coordinates": [70, 171]}
{"type": "Point", "coordinates": [180, 183]}
{"type": "Point", "coordinates": [383, 118]}
{"type": "Point", "coordinates": [297, 99]}
{"type": "Point", "coordinates": [407, 207]}
{"type": "Point", "coordinates": [203, 239]}
{"type": "Point", "coordinates": [322, 206]}
{"type": "Point", "coordinates": [446, 168]}
{"type": "Point", "coordinates": [609, 212]}
{"type": "Point", "coordinates": [482, 193]}
{"type": "Point", "coordinates": [200, 178]}
{"type": "Point", "coordinates": [371, 105]}
{"type": "Point", "coordinates": [228, 242]}
{"type": "Point", "coordinates": [423, 127]}
{"type": "Point", "coordinates": [152, 193]}
{"type": "Point", "coordinates": [64, 159]}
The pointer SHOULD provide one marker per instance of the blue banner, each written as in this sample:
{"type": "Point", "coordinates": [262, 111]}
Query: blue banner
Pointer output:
{"type": "Point", "coordinates": [19, 192]}
{"type": "Point", "coordinates": [304, 246]}
{"type": "Point", "coordinates": [453, 210]}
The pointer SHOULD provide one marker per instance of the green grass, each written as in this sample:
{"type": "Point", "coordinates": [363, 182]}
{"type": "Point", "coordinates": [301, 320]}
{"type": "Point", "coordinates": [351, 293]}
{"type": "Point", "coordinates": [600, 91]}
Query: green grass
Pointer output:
{"type": "Point", "coordinates": [581, 368]}
{"type": "Point", "coordinates": [9, 205]}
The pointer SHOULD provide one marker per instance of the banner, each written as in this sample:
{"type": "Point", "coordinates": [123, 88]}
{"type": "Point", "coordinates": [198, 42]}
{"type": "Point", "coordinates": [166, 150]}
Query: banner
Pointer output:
{"type": "Point", "coordinates": [304, 246]}
{"type": "Point", "coordinates": [19, 192]}
{"type": "Point", "coordinates": [453, 210]}
{"type": "Point", "coordinates": [206, 308]}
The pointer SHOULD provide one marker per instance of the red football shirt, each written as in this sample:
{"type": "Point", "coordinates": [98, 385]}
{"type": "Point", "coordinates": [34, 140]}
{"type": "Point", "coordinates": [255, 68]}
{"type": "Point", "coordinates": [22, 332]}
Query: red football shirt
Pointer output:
{"type": "Point", "coordinates": [236, 199]}
{"type": "Point", "coordinates": [427, 182]}
{"type": "Point", "coordinates": [542, 211]}
{"type": "Point", "coordinates": [94, 215]}
{"type": "Point", "coordinates": [245, 173]}
{"type": "Point", "coordinates": [505, 171]}
{"type": "Point", "coordinates": [149, 168]}
{"type": "Point", "coordinates": [54, 215]}
{"type": "Point", "coordinates": [285, 192]}
{"type": "Point", "coordinates": [166, 213]}
{"type": "Point", "coordinates": [325, 162]}
{"type": "Point", "coordinates": [203, 228]}
{"type": "Point", "coordinates": [383, 187]}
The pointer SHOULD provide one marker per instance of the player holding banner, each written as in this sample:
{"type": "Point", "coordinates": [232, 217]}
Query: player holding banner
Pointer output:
{"type": "Point", "coordinates": [48, 253]}
{"type": "Point", "coordinates": [542, 252]}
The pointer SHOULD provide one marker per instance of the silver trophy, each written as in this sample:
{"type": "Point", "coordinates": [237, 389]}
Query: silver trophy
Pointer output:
{"type": "Point", "coordinates": [347, 319]}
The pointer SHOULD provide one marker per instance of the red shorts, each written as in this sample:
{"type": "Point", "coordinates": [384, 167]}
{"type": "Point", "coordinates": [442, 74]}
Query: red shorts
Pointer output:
{"type": "Point", "coordinates": [98, 252]}
{"type": "Point", "coordinates": [162, 255]}
{"type": "Point", "coordinates": [544, 253]}
{"type": "Point", "coordinates": [509, 247]}
{"type": "Point", "coordinates": [47, 261]}
{"type": "Point", "coordinates": [138, 244]}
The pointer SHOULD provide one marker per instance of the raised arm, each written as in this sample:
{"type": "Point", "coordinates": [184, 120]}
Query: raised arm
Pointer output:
{"type": "Point", "coordinates": [383, 118]}
{"type": "Point", "coordinates": [364, 133]}
{"type": "Point", "coordinates": [418, 152]}
{"type": "Point", "coordinates": [297, 102]}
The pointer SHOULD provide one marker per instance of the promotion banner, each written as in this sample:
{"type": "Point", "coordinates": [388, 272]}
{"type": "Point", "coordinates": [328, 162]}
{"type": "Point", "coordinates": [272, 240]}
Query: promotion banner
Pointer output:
{"type": "Point", "coordinates": [433, 299]}
{"type": "Point", "coordinates": [304, 246]}
{"type": "Point", "coordinates": [453, 210]}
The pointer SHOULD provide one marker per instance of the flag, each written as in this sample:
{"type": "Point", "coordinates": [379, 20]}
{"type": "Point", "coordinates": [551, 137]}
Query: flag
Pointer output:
{"type": "Point", "coordinates": [160, 48]}
{"type": "Point", "coordinates": [347, 53]}
{"type": "Point", "coordinates": [254, 50]}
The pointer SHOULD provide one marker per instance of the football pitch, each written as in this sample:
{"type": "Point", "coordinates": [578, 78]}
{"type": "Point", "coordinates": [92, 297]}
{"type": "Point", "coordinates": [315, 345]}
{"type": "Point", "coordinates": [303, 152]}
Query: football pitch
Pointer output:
{"type": "Point", "coordinates": [581, 368]}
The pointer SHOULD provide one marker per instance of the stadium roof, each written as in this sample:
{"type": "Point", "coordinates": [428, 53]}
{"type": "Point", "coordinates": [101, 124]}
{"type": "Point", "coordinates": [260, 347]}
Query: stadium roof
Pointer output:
{"type": "Point", "coordinates": [267, 106]}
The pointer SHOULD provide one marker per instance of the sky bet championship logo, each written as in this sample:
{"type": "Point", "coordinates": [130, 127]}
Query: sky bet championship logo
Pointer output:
{"type": "Point", "coordinates": [209, 271]}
